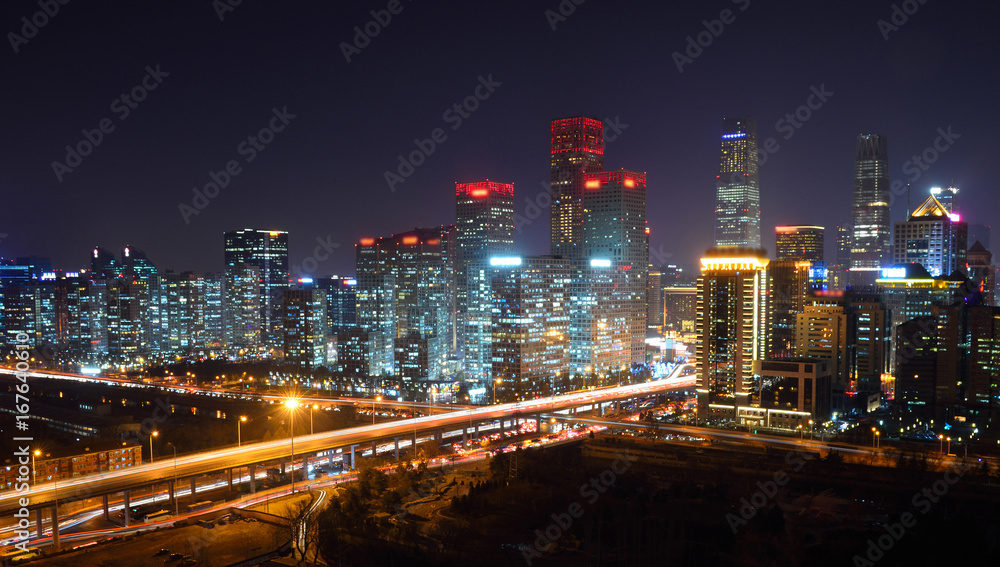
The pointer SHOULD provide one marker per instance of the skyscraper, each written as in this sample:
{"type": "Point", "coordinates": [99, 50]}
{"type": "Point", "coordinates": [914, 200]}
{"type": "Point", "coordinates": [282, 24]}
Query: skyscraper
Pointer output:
{"type": "Point", "coordinates": [406, 286]}
{"type": "Point", "coordinates": [341, 302]}
{"type": "Point", "coordinates": [614, 231]}
{"type": "Point", "coordinates": [242, 309]}
{"type": "Point", "coordinates": [305, 327]}
{"type": "Point", "coordinates": [789, 287]}
{"type": "Point", "coordinates": [982, 272]}
{"type": "Point", "coordinates": [530, 325]}
{"type": "Point", "coordinates": [268, 251]}
{"type": "Point", "coordinates": [577, 148]}
{"type": "Point", "coordinates": [870, 239]}
{"type": "Point", "coordinates": [484, 228]}
{"type": "Point", "coordinates": [737, 204]}
{"type": "Point", "coordinates": [104, 265]}
{"type": "Point", "coordinates": [799, 243]}
{"type": "Point", "coordinates": [947, 196]}
{"type": "Point", "coordinates": [933, 237]}
{"type": "Point", "coordinates": [733, 331]}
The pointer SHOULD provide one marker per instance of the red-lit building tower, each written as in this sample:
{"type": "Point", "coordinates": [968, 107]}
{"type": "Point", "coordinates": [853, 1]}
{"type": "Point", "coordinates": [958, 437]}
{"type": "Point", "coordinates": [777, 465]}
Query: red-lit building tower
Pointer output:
{"type": "Point", "coordinates": [577, 148]}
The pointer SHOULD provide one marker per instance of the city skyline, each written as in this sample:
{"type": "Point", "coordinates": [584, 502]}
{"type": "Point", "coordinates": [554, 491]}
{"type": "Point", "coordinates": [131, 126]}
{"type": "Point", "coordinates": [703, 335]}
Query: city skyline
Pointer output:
{"type": "Point", "coordinates": [174, 144]}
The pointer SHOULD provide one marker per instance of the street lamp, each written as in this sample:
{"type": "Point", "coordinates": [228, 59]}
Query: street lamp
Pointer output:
{"type": "Point", "coordinates": [34, 471]}
{"type": "Point", "coordinates": [311, 408]}
{"type": "Point", "coordinates": [800, 431]}
{"type": "Point", "coordinates": [377, 399]}
{"type": "Point", "coordinates": [878, 439]}
{"type": "Point", "coordinates": [495, 382]}
{"type": "Point", "coordinates": [810, 429]}
{"type": "Point", "coordinates": [941, 444]}
{"type": "Point", "coordinates": [291, 405]}
{"type": "Point", "coordinates": [175, 476]}
{"type": "Point", "coordinates": [239, 434]}
{"type": "Point", "coordinates": [948, 439]}
{"type": "Point", "coordinates": [154, 434]}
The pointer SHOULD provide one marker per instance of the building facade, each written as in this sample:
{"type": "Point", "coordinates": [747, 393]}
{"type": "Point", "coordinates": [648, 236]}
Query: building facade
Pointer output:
{"type": "Point", "coordinates": [576, 149]}
{"type": "Point", "coordinates": [737, 204]}
{"type": "Point", "coordinates": [870, 237]}
{"type": "Point", "coordinates": [733, 332]}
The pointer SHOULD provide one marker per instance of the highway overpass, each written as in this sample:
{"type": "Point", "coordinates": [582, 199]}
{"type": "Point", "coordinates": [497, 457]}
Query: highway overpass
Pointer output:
{"type": "Point", "coordinates": [170, 471]}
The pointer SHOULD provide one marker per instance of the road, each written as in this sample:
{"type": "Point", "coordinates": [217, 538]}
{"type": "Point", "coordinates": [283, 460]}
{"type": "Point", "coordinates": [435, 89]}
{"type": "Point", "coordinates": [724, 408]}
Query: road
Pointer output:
{"type": "Point", "coordinates": [254, 453]}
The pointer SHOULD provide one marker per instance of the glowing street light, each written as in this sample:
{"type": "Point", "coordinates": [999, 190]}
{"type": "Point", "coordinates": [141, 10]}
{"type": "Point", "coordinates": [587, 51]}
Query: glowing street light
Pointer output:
{"type": "Point", "coordinates": [291, 405]}
{"type": "Point", "coordinates": [311, 408]}
{"type": "Point", "coordinates": [941, 444]}
{"type": "Point", "coordinates": [34, 471]}
{"type": "Point", "coordinates": [377, 399]}
{"type": "Point", "coordinates": [154, 434]}
{"type": "Point", "coordinates": [239, 434]}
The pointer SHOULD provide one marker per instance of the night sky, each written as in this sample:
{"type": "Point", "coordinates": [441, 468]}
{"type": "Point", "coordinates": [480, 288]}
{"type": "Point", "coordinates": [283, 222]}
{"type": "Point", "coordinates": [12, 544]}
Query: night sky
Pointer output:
{"type": "Point", "coordinates": [322, 176]}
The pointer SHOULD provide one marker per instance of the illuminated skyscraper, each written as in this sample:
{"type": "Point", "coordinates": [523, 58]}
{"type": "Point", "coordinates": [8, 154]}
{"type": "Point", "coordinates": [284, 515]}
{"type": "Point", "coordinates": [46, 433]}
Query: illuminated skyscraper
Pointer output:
{"type": "Point", "coordinates": [947, 196]}
{"type": "Point", "coordinates": [268, 251]}
{"type": "Point", "coordinates": [799, 243]}
{"type": "Point", "coordinates": [104, 265]}
{"type": "Point", "coordinates": [178, 312]}
{"type": "Point", "coordinates": [242, 310]}
{"type": "Point", "coordinates": [484, 228]}
{"type": "Point", "coordinates": [910, 292]}
{"type": "Point", "coordinates": [577, 148]}
{"type": "Point", "coordinates": [341, 302]}
{"type": "Point", "coordinates": [789, 288]}
{"type": "Point", "coordinates": [305, 327]}
{"type": "Point", "coordinates": [614, 232]}
{"type": "Point", "coordinates": [406, 287]}
{"type": "Point", "coordinates": [870, 241]}
{"type": "Point", "coordinates": [530, 328]}
{"type": "Point", "coordinates": [733, 330]}
{"type": "Point", "coordinates": [136, 265]}
{"type": "Point", "coordinates": [933, 237]}
{"type": "Point", "coordinates": [737, 204]}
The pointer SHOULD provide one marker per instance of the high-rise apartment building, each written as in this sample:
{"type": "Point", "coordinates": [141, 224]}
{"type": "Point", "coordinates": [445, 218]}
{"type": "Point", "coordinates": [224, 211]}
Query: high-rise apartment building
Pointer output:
{"type": "Point", "coordinates": [268, 251]}
{"type": "Point", "coordinates": [576, 149]}
{"type": "Point", "coordinates": [870, 238]}
{"type": "Point", "coordinates": [737, 205]}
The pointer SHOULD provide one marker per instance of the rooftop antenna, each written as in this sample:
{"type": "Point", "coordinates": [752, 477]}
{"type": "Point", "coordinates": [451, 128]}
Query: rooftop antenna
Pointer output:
{"type": "Point", "coordinates": [907, 215]}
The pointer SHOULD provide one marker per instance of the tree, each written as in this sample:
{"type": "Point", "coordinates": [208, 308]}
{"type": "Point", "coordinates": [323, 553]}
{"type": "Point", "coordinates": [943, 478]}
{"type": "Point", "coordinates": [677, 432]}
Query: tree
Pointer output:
{"type": "Point", "coordinates": [302, 528]}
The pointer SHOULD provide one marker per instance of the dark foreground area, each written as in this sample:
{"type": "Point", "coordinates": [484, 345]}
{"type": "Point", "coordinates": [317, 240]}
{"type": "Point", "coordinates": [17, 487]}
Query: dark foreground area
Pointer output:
{"type": "Point", "coordinates": [614, 500]}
